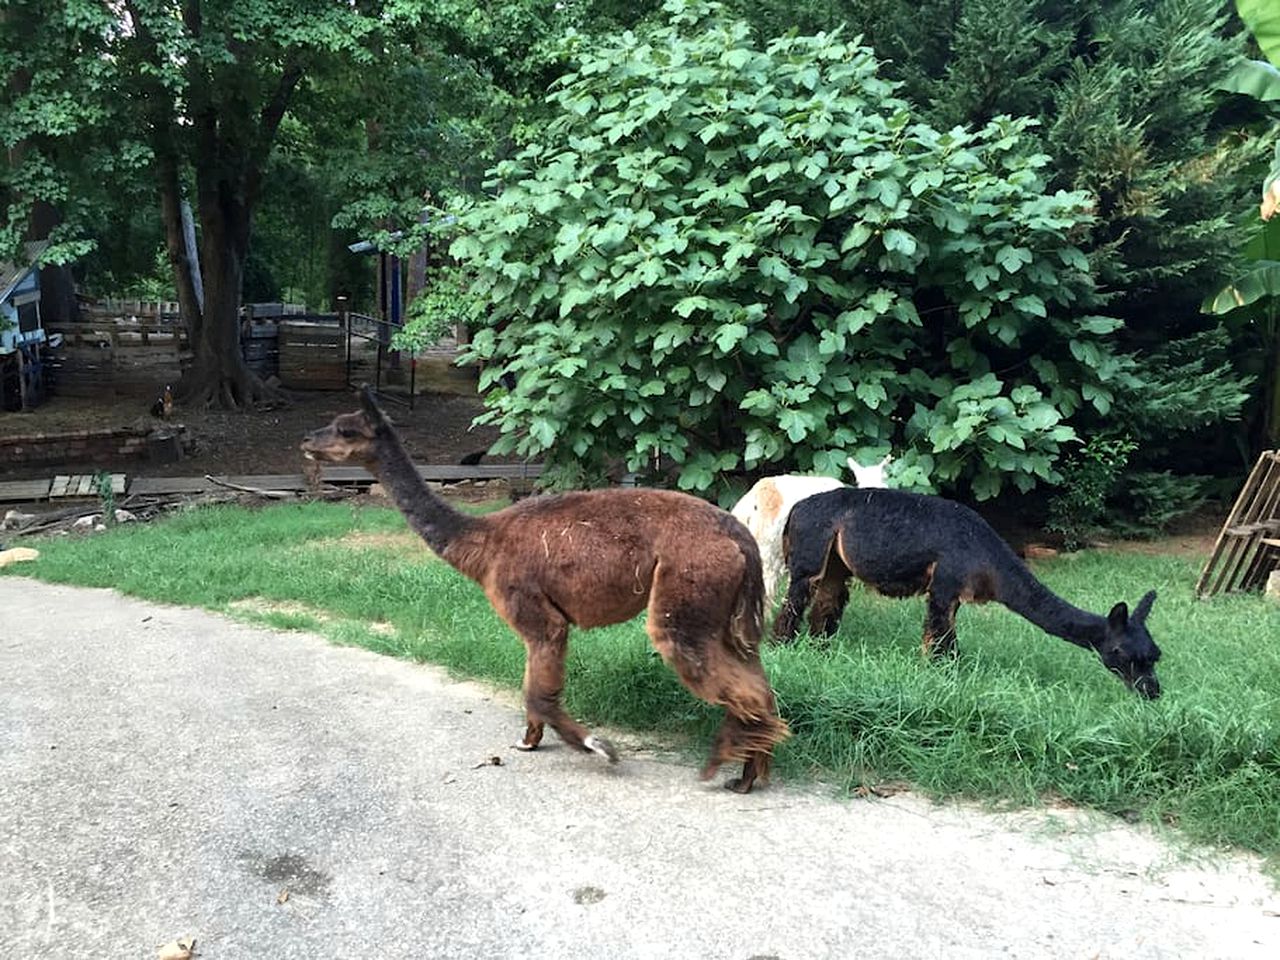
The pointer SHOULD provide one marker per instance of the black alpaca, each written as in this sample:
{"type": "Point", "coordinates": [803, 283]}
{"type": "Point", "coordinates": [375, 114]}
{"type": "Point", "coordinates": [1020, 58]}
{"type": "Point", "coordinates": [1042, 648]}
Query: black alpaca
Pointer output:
{"type": "Point", "coordinates": [903, 544]}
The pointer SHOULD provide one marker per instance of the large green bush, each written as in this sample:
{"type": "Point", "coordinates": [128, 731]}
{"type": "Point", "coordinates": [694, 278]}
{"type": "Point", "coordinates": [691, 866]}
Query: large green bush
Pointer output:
{"type": "Point", "coordinates": [734, 256]}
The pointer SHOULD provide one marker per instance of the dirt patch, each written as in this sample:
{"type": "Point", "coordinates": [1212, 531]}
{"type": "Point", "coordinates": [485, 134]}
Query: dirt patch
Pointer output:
{"type": "Point", "coordinates": [1180, 545]}
{"type": "Point", "coordinates": [403, 542]}
{"type": "Point", "coordinates": [437, 430]}
{"type": "Point", "coordinates": [262, 606]}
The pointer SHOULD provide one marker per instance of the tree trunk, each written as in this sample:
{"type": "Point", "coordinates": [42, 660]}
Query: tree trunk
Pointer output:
{"type": "Point", "coordinates": [1271, 422]}
{"type": "Point", "coordinates": [218, 374]}
{"type": "Point", "coordinates": [175, 245]}
{"type": "Point", "coordinates": [57, 286]}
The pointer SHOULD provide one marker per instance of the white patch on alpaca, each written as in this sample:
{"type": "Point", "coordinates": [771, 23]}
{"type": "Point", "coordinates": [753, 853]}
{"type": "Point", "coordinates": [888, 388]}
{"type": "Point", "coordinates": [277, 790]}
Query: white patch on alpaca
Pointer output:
{"type": "Point", "coordinates": [873, 476]}
{"type": "Point", "coordinates": [764, 511]}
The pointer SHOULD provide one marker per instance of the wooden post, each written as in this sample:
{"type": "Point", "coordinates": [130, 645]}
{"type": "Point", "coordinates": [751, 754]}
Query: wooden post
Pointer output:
{"type": "Point", "coordinates": [22, 378]}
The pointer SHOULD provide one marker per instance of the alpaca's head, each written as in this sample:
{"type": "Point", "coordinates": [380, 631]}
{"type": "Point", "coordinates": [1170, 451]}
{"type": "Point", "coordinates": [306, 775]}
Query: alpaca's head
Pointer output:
{"type": "Point", "coordinates": [865, 478]}
{"type": "Point", "coordinates": [1128, 650]}
{"type": "Point", "coordinates": [351, 437]}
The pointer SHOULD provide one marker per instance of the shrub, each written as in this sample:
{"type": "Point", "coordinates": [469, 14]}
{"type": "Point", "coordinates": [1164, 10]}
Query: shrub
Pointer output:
{"type": "Point", "coordinates": [736, 257]}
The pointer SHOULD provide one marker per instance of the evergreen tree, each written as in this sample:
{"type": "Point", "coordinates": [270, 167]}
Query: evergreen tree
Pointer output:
{"type": "Point", "coordinates": [1125, 94]}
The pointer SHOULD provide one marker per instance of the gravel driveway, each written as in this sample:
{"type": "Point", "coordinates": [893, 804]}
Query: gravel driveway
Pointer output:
{"type": "Point", "coordinates": [165, 773]}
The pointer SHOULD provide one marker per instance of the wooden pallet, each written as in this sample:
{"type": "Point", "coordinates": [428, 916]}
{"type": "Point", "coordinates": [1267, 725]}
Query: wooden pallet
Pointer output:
{"type": "Point", "coordinates": [82, 485]}
{"type": "Point", "coordinates": [1248, 546]}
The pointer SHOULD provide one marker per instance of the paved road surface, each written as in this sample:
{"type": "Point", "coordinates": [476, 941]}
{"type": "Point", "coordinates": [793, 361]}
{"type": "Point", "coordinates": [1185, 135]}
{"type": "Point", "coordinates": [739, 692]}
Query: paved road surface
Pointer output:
{"type": "Point", "coordinates": [167, 773]}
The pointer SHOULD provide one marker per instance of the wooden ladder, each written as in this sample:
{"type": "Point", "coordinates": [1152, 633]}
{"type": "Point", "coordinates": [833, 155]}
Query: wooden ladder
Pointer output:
{"type": "Point", "coordinates": [1248, 546]}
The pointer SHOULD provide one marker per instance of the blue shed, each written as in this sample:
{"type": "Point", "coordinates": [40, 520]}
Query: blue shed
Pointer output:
{"type": "Point", "coordinates": [21, 330]}
{"type": "Point", "coordinates": [20, 299]}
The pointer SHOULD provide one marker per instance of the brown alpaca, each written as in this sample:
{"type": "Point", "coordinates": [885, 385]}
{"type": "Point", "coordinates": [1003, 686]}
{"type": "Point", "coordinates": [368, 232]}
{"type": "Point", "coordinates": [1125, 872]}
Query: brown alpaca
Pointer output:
{"type": "Point", "coordinates": [592, 558]}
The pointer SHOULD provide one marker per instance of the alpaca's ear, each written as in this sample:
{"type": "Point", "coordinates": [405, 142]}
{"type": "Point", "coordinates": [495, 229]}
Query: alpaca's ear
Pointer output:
{"type": "Point", "coordinates": [1144, 607]}
{"type": "Point", "coordinates": [370, 406]}
{"type": "Point", "coordinates": [1118, 618]}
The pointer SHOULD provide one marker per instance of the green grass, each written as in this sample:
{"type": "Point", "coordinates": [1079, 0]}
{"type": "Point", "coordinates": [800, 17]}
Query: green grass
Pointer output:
{"type": "Point", "coordinates": [1020, 717]}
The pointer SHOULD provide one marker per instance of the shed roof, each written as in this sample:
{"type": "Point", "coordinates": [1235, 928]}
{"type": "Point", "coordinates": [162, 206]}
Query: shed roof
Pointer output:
{"type": "Point", "coordinates": [11, 273]}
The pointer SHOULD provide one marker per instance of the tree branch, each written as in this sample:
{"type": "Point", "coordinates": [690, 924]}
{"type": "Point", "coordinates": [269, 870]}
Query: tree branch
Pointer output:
{"type": "Point", "coordinates": [273, 112]}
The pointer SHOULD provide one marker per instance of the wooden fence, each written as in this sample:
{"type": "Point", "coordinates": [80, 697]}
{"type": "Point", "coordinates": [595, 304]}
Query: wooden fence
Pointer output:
{"type": "Point", "coordinates": [109, 355]}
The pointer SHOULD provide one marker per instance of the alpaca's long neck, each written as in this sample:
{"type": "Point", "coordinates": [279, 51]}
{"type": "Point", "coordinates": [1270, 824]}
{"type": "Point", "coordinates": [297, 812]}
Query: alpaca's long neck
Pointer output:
{"type": "Point", "coordinates": [1026, 596]}
{"type": "Point", "coordinates": [428, 515]}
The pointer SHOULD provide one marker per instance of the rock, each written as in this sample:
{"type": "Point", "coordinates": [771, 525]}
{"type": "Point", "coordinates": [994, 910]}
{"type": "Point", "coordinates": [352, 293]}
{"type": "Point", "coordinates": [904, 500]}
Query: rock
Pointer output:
{"type": "Point", "coordinates": [13, 519]}
{"type": "Point", "coordinates": [86, 523]}
{"type": "Point", "coordinates": [124, 516]}
{"type": "Point", "coordinates": [378, 490]}
{"type": "Point", "coordinates": [177, 949]}
{"type": "Point", "coordinates": [1273, 585]}
{"type": "Point", "coordinates": [17, 555]}
{"type": "Point", "coordinates": [1038, 551]}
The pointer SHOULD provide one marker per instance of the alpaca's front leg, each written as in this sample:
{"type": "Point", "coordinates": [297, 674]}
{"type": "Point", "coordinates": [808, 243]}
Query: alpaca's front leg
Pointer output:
{"type": "Point", "coordinates": [534, 727]}
{"type": "Point", "coordinates": [545, 672]}
{"type": "Point", "coordinates": [830, 595]}
{"type": "Point", "coordinates": [940, 621]}
{"type": "Point", "coordinates": [793, 607]}
{"type": "Point", "coordinates": [545, 632]}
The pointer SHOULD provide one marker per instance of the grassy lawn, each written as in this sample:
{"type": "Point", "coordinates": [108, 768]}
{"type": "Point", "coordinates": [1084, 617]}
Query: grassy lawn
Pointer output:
{"type": "Point", "coordinates": [1021, 717]}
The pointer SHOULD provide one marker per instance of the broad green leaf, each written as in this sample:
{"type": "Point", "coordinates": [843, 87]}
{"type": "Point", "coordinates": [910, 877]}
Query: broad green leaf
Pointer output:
{"type": "Point", "coordinates": [1253, 78]}
{"type": "Point", "coordinates": [901, 241]}
{"type": "Point", "coordinates": [1100, 325]}
{"type": "Point", "coordinates": [1012, 258]}
{"type": "Point", "coordinates": [1261, 281]}
{"type": "Point", "coordinates": [729, 335]}
{"type": "Point", "coordinates": [1262, 17]}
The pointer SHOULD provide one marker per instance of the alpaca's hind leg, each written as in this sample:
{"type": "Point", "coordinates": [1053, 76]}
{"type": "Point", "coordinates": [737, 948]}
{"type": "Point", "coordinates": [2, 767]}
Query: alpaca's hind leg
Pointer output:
{"type": "Point", "coordinates": [940, 619]}
{"type": "Point", "coordinates": [713, 672]}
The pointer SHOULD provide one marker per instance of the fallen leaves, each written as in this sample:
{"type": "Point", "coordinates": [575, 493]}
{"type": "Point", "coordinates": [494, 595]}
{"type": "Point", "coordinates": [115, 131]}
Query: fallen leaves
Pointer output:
{"type": "Point", "coordinates": [881, 790]}
{"type": "Point", "coordinates": [494, 761]}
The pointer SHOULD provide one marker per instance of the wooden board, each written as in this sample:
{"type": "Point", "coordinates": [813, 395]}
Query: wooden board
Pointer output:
{"type": "Point", "coordinates": [450, 472]}
{"type": "Point", "coordinates": [22, 491]}
{"type": "Point", "coordinates": [160, 486]}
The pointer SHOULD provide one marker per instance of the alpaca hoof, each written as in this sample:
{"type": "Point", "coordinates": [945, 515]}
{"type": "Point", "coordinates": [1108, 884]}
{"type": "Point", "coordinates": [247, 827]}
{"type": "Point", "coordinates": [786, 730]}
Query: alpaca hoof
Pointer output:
{"type": "Point", "coordinates": [601, 746]}
{"type": "Point", "coordinates": [526, 747]}
{"type": "Point", "coordinates": [709, 771]}
{"type": "Point", "coordinates": [739, 785]}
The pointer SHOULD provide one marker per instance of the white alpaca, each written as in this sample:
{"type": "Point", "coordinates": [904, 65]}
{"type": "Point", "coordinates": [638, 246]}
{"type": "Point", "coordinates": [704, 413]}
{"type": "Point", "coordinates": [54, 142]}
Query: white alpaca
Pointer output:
{"type": "Point", "coordinates": [872, 476]}
{"type": "Point", "coordinates": [766, 506]}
